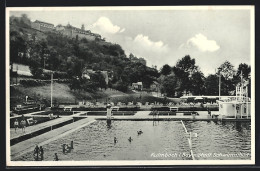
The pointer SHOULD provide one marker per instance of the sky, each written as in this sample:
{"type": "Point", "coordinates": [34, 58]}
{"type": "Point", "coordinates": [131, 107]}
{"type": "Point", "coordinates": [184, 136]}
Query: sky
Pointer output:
{"type": "Point", "coordinates": [211, 36]}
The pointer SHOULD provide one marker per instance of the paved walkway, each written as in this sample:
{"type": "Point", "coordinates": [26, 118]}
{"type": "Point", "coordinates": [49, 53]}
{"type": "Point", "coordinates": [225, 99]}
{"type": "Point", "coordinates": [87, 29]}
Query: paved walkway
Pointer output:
{"type": "Point", "coordinates": [29, 145]}
{"type": "Point", "coordinates": [34, 128]}
{"type": "Point", "coordinates": [144, 115]}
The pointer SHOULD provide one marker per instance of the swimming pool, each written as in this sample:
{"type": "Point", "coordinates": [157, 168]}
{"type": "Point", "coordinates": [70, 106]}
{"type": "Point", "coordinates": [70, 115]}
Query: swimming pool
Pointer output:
{"type": "Point", "coordinates": [161, 140]}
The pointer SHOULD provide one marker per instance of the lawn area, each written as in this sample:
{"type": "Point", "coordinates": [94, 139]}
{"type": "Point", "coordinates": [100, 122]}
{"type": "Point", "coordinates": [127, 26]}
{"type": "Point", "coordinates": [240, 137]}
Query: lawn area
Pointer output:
{"type": "Point", "coordinates": [61, 93]}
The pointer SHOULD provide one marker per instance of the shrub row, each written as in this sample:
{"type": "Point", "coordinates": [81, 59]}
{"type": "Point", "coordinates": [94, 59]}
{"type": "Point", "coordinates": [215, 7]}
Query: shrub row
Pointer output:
{"type": "Point", "coordinates": [186, 108]}
{"type": "Point", "coordinates": [123, 113]}
{"type": "Point", "coordinates": [118, 113]}
{"type": "Point", "coordinates": [56, 74]}
{"type": "Point", "coordinates": [26, 111]}
{"type": "Point", "coordinates": [63, 113]}
{"type": "Point", "coordinates": [32, 83]}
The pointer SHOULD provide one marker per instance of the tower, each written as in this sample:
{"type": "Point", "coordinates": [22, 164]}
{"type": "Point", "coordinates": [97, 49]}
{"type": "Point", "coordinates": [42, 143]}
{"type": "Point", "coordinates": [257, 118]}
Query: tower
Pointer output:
{"type": "Point", "coordinates": [82, 27]}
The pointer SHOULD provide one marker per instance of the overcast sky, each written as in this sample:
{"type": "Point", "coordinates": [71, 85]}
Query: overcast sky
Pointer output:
{"type": "Point", "coordinates": [164, 36]}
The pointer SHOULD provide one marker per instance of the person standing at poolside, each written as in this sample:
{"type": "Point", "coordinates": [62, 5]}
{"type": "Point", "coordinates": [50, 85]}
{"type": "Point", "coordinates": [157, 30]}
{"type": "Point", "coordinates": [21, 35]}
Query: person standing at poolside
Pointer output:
{"type": "Point", "coordinates": [41, 152]}
{"type": "Point", "coordinates": [56, 157]}
{"type": "Point", "coordinates": [36, 153]}
{"type": "Point", "coordinates": [16, 124]}
{"type": "Point", "coordinates": [23, 125]}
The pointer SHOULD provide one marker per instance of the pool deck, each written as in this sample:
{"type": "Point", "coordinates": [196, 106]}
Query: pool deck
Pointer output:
{"type": "Point", "coordinates": [29, 145]}
{"type": "Point", "coordinates": [144, 116]}
{"type": "Point", "coordinates": [34, 128]}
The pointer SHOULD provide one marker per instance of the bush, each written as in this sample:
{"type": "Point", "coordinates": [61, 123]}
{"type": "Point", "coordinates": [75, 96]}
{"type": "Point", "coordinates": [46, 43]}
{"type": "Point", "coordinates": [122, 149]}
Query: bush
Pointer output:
{"type": "Point", "coordinates": [120, 86]}
{"type": "Point", "coordinates": [36, 72]}
{"type": "Point", "coordinates": [32, 83]}
{"type": "Point", "coordinates": [56, 75]}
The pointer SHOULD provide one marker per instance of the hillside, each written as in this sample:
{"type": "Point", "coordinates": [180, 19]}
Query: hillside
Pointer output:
{"type": "Point", "coordinates": [54, 51]}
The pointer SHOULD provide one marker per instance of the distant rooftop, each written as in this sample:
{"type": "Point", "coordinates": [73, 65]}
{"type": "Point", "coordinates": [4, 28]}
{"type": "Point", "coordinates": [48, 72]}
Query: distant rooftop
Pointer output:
{"type": "Point", "coordinates": [37, 21]}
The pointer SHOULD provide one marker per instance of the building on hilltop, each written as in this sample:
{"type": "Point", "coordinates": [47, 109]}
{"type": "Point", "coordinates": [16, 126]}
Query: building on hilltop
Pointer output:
{"type": "Point", "coordinates": [42, 26]}
{"type": "Point", "coordinates": [154, 86]}
{"type": "Point", "coordinates": [137, 86]}
{"type": "Point", "coordinates": [87, 72]}
{"type": "Point", "coordinates": [74, 32]}
{"type": "Point", "coordinates": [67, 30]}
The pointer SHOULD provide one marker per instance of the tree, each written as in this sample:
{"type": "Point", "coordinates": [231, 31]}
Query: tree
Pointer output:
{"type": "Point", "coordinates": [169, 85]}
{"type": "Point", "coordinates": [75, 83]}
{"type": "Point", "coordinates": [183, 71]}
{"type": "Point", "coordinates": [120, 86]}
{"type": "Point", "coordinates": [17, 45]}
{"type": "Point", "coordinates": [89, 86]}
{"type": "Point", "coordinates": [186, 64]}
{"type": "Point", "coordinates": [197, 79]}
{"type": "Point", "coordinates": [25, 21]}
{"type": "Point", "coordinates": [226, 70]}
{"type": "Point", "coordinates": [211, 85]}
{"type": "Point", "coordinates": [245, 69]}
{"type": "Point", "coordinates": [98, 79]}
{"type": "Point", "coordinates": [35, 69]}
{"type": "Point", "coordinates": [166, 70]}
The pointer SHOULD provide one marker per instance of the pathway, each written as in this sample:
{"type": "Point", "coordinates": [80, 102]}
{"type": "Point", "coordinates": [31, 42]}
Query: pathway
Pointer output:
{"type": "Point", "coordinates": [29, 145]}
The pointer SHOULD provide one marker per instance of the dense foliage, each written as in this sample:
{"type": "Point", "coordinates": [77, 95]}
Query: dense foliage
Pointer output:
{"type": "Point", "coordinates": [186, 78]}
{"type": "Point", "coordinates": [56, 52]}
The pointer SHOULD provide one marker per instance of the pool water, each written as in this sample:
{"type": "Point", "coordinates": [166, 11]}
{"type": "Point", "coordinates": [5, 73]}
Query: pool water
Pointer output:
{"type": "Point", "coordinates": [161, 140]}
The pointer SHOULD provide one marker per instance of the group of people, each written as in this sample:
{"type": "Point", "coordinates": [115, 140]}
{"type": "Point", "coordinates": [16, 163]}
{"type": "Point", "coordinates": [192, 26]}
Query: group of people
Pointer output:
{"type": "Point", "coordinates": [130, 139]}
{"type": "Point", "coordinates": [66, 148]}
{"type": "Point", "coordinates": [139, 132]}
{"type": "Point", "coordinates": [22, 124]}
{"type": "Point", "coordinates": [38, 153]}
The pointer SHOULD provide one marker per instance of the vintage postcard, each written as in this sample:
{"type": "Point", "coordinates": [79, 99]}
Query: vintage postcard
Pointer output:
{"type": "Point", "coordinates": [122, 86]}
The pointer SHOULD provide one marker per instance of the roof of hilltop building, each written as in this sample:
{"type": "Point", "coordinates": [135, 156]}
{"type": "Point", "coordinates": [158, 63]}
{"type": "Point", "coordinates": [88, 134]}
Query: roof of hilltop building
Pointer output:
{"type": "Point", "coordinates": [37, 21]}
{"type": "Point", "coordinates": [155, 82]}
{"type": "Point", "coordinates": [78, 29]}
{"type": "Point", "coordinates": [138, 83]}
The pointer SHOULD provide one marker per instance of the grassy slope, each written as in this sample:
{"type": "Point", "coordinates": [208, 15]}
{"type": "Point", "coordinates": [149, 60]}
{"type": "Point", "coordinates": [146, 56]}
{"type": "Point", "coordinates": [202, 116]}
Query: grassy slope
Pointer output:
{"type": "Point", "coordinates": [61, 93]}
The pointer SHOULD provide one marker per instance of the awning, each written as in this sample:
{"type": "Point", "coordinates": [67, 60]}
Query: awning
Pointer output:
{"type": "Point", "coordinates": [224, 98]}
{"type": "Point", "coordinates": [211, 97]}
{"type": "Point", "coordinates": [183, 97]}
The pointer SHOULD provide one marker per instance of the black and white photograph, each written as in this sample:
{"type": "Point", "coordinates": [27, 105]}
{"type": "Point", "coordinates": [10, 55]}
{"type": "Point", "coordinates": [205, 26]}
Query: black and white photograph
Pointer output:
{"type": "Point", "coordinates": [130, 85]}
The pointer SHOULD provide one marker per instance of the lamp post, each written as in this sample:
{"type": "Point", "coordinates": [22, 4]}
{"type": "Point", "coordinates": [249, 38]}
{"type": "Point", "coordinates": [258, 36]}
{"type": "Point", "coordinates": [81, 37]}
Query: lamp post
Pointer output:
{"type": "Point", "coordinates": [51, 86]}
{"type": "Point", "coordinates": [219, 86]}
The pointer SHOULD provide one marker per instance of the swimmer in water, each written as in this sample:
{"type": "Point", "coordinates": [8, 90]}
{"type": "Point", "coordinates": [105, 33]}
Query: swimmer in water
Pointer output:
{"type": "Point", "coordinates": [139, 132]}
{"type": "Point", "coordinates": [115, 140]}
{"type": "Point", "coordinates": [130, 139]}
